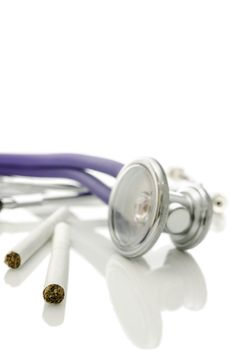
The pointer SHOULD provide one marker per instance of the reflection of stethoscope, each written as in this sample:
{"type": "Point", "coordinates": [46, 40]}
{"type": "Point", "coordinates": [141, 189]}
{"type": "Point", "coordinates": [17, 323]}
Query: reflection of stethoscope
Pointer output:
{"type": "Point", "coordinates": [141, 290]}
{"type": "Point", "coordinates": [148, 292]}
{"type": "Point", "coordinates": [141, 206]}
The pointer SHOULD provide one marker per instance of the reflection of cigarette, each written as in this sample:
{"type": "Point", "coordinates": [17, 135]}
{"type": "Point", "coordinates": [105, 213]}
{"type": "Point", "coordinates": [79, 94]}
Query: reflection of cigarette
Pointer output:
{"type": "Point", "coordinates": [35, 239]}
{"type": "Point", "coordinates": [57, 273]}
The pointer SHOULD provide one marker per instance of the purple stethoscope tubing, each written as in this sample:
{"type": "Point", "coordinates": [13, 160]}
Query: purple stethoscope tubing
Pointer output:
{"type": "Point", "coordinates": [71, 166]}
{"type": "Point", "coordinates": [69, 160]}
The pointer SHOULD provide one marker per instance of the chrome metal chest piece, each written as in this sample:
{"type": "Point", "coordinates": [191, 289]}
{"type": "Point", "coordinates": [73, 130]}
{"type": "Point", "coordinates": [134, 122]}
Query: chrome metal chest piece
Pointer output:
{"type": "Point", "coordinates": [142, 206]}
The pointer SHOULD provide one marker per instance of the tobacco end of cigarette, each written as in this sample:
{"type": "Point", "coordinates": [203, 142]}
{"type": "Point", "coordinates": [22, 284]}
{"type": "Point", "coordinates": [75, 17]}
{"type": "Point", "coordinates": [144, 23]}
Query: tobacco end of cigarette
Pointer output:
{"type": "Point", "coordinates": [13, 260]}
{"type": "Point", "coordinates": [53, 294]}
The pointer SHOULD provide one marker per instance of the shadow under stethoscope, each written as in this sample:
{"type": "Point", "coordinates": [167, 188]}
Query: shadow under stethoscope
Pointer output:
{"type": "Point", "coordinates": [141, 289]}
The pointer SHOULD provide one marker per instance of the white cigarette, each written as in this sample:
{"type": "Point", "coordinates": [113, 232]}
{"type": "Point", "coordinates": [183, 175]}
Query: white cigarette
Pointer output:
{"type": "Point", "coordinates": [35, 240]}
{"type": "Point", "coordinates": [57, 274]}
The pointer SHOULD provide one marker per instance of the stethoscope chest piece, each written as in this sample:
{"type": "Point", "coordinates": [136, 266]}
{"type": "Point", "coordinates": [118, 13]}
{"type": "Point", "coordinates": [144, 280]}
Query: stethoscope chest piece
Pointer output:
{"type": "Point", "coordinates": [138, 207]}
{"type": "Point", "coordinates": [141, 206]}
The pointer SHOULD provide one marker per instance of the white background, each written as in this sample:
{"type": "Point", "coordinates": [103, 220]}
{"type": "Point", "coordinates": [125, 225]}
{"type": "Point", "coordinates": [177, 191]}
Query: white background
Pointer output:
{"type": "Point", "coordinates": [119, 79]}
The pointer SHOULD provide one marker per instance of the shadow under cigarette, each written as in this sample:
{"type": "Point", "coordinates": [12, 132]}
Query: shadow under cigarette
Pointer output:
{"type": "Point", "coordinates": [53, 314]}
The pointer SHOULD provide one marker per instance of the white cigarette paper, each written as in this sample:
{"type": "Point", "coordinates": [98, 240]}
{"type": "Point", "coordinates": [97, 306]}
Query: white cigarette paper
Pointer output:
{"type": "Point", "coordinates": [35, 239]}
{"type": "Point", "coordinates": [57, 274]}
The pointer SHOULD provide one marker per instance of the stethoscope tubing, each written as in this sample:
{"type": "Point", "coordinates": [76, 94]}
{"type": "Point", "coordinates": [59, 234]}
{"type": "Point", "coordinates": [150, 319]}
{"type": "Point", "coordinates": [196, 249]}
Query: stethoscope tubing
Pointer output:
{"type": "Point", "coordinates": [68, 160]}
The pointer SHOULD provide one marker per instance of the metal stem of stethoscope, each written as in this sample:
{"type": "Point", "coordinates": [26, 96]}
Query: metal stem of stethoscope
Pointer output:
{"type": "Point", "coordinates": [181, 211]}
{"type": "Point", "coordinates": [179, 215]}
{"type": "Point", "coordinates": [34, 184]}
{"type": "Point", "coordinates": [43, 197]}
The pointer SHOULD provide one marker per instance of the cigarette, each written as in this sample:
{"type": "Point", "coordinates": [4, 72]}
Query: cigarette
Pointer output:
{"type": "Point", "coordinates": [35, 240]}
{"type": "Point", "coordinates": [57, 274]}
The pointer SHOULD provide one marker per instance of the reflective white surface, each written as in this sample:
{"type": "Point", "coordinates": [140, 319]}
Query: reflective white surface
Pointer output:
{"type": "Point", "coordinates": [165, 297]}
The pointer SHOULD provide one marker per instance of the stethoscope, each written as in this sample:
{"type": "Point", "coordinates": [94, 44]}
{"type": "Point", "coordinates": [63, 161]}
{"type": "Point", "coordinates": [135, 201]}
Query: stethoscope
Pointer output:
{"type": "Point", "coordinates": [141, 205]}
